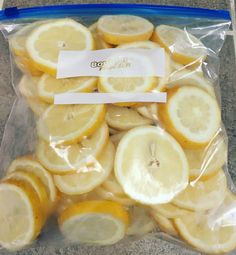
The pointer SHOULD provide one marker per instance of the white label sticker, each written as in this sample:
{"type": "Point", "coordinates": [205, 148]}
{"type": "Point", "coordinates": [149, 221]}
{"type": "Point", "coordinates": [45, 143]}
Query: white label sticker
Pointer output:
{"type": "Point", "coordinates": [108, 98]}
{"type": "Point", "coordinates": [112, 62]}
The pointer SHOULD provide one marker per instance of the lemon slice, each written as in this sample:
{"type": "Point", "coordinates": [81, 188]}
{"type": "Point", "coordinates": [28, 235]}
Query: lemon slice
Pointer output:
{"type": "Point", "coordinates": [94, 222]}
{"type": "Point", "coordinates": [206, 162]}
{"type": "Point", "coordinates": [149, 111]}
{"type": "Point", "coordinates": [126, 84]}
{"type": "Point", "coordinates": [166, 225]}
{"type": "Point", "coordinates": [122, 118]}
{"type": "Point", "coordinates": [118, 29]}
{"type": "Point", "coordinates": [28, 88]}
{"type": "Point", "coordinates": [206, 233]}
{"type": "Point", "coordinates": [49, 86]}
{"type": "Point", "coordinates": [61, 124]}
{"type": "Point", "coordinates": [117, 137]}
{"type": "Point", "coordinates": [108, 195]}
{"type": "Point", "coordinates": [88, 177]}
{"type": "Point", "coordinates": [169, 210]}
{"type": "Point", "coordinates": [150, 165]}
{"type": "Point", "coordinates": [184, 47]}
{"type": "Point", "coordinates": [28, 164]}
{"type": "Point", "coordinates": [99, 42]}
{"type": "Point", "coordinates": [162, 81]}
{"type": "Point", "coordinates": [203, 195]}
{"type": "Point", "coordinates": [64, 159]}
{"type": "Point", "coordinates": [141, 221]}
{"type": "Point", "coordinates": [20, 215]}
{"type": "Point", "coordinates": [191, 115]}
{"type": "Point", "coordinates": [45, 42]}
{"type": "Point", "coordinates": [35, 182]}
{"type": "Point", "coordinates": [185, 77]}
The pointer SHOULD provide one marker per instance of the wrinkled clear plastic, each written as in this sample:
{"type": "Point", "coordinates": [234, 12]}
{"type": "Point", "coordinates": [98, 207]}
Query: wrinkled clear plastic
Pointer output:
{"type": "Point", "coordinates": [137, 168]}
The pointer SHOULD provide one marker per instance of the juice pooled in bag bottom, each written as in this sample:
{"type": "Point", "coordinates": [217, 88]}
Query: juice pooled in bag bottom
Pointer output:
{"type": "Point", "coordinates": [119, 167]}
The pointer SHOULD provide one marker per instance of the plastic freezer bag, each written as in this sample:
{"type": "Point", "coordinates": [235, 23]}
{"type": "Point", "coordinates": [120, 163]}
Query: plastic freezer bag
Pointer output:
{"type": "Point", "coordinates": [116, 131]}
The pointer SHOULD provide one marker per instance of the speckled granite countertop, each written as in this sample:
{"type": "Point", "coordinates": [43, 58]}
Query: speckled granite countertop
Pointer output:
{"type": "Point", "coordinates": [148, 245]}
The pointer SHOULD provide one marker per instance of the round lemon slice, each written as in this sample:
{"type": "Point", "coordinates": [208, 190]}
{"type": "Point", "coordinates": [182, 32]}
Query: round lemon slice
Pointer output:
{"type": "Point", "coordinates": [61, 124]}
{"type": "Point", "coordinates": [28, 164]}
{"type": "Point", "coordinates": [184, 77]}
{"type": "Point", "coordinates": [150, 165]}
{"type": "Point", "coordinates": [64, 159]}
{"type": "Point", "coordinates": [118, 29]}
{"type": "Point", "coordinates": [141, 221]}
{"type": "Point", "coordinates": [184, 47]}
{"type": "Point", "coordinates": [94, 222]}
{"type": "Point", "coordinates": [166, 225]}
{"type": "Point", "coordinates": [99, 42]}
{"type": "Point", "coordinates": [49, 86]}
{"type": "Point", "coordinates": [162, 81]}
{"type": "Point", "coordinates": [117, 137]}
{"type": "Point", "coordinates": [122, 118]}
{"type": "Point", "coordinates": [203, 195]}
{"type": "Point", "coordinates": [88, 177]}
{"type": "Point", "coordinates": [205, 233]}
{"type": "Point", "coordinates": [169, 210]}
{"type": "Point", "coordinates": [34, 181]}
{"type": "Point", "coordinates": [45, 42]}
{"type": "Point", "coordinates": [191, 115]}
{"type": "Point", "coordinates": [20, 215]}
{"type": "Point", "coordinates": [206, 162]}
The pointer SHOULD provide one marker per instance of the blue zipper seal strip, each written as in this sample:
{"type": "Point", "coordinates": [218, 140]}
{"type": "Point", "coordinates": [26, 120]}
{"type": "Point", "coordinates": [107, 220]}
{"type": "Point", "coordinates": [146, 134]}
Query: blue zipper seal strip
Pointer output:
{"type": "Point", "coordinates": [101, 9]}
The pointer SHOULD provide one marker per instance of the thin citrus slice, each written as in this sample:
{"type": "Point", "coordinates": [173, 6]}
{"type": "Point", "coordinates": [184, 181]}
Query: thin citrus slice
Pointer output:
{"type": "Point", "coordinates": [118, 29]}
{"type": "Point", "coordinates": [203, 195]}
{"type": "Point", "coordinates": [28, 164]}
{"type": "Point", "coordinates": [108, 195]}
{"type": "Point", "coordinates": [126, 84]}
{"type": "Point", "coordinates": [166, 225]}
{"type": "Point", "coordinates": [191, 115]}
{"type": "Point", "coordinates": [35, 182]}
{"type": "Point", "coordinates": [88, 177]}
{"type": "Point", "coordinates": [162, 81]}
{"type": "Point", "coordinates": [150, 165]}
{"type": "Point", "coordinates": [99, 42]}
{"type": "Point", "coordinates": [184, 47]}
{"type": "Point", "coordinates": [122, 118]}
{"type": "Point", "coordinates": [204, 232]}
{"type": "Point", "coordinates": [184, 77]}
{"type": "Point", "coordinates": [49, 86]}
{"type": "Point", "coordinates": [141, 221]}
{"type": "Point", "coordinates": [94, 222]}
{"type": "Point", "coordinates": [117, 137]}
{"type": "Point", "coordinates": [28, 88]}
{"type": "Point", "coordinates": [205, 162]}
{"type": "Point", "coordinates": [20, 215]}
{"type": "Point", "coordinates": [45, 42]}
{"type": "Point", "coordinates": [61, 124]}
{"type": "Point", "coordinates": [64, 159]}
{"type": "Point", "coordinates": [149, 111]}
{"type": "Point", "coordinates": [169, 210]}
